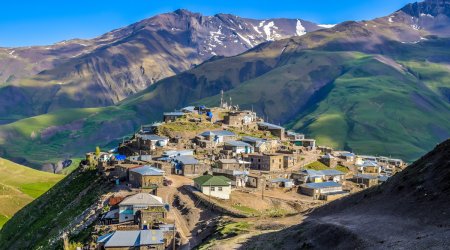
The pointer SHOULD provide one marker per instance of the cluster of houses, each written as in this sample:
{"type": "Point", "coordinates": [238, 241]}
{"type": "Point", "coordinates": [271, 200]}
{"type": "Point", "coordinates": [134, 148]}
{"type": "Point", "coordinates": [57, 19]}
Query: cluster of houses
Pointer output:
{"type": "Point", "coordinates": [242, 150]}
{"type": "Point", "coordinates": [137, 221]}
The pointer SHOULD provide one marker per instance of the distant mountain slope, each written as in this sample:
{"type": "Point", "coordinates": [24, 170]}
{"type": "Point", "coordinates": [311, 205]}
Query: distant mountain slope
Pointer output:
{"type": "Point", "coordinates": [408, 212]}
{"type": "Point", "coordinates": [20, 185]}
{"type": "Point", "coordinates": [105, 70]}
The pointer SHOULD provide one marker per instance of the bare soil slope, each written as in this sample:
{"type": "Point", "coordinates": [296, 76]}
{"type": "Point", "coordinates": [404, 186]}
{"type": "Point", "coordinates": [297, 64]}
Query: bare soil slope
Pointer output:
{"type": "Point", "coordinates": [410, 211]}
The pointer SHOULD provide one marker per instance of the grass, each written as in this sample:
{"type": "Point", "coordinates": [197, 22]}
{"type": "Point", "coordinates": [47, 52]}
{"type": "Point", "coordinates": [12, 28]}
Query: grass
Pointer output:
{"type": "Point", "coordinates": [20, 185]}
{"type": "Point", "coordinates": [317, 165]}
{"type": "Point", "coordinates": [247, 210]}
{"type": "Point", "coordinates": [73, 133]}
{"type": "Point", "coordinates": [224, 231]}
{"type": "Point", "coordinates": [39, 223]}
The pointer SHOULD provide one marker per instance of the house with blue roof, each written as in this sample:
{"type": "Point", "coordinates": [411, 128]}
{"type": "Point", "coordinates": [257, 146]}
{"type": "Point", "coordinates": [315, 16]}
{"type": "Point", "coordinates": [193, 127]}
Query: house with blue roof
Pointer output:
{"type": "Point", "coordinates": [261, 145]}
{"type": "Point", "coordinates": [238, 147]}
{"type": "Point", "coordinates": [216, 137]}
{"type": "Point", "coordinates": [187, 165]}
{"type": "Point", "coordinates": [150, 141]}
{"type": "Point", "coordinates": [146, 177]}
{"type": "Point", "coordinates": [142, 208]}
{"type": "Point", "coordinates": [135, 239]}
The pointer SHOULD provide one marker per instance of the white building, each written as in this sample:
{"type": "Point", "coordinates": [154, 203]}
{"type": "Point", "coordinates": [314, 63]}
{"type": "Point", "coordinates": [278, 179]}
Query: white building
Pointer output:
{"type": "Point", "coordinates": [215, 186]}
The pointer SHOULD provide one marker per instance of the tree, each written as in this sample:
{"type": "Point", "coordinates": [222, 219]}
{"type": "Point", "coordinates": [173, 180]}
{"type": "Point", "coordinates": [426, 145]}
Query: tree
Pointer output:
{"type": "Point", "coordinates": [97, 151]}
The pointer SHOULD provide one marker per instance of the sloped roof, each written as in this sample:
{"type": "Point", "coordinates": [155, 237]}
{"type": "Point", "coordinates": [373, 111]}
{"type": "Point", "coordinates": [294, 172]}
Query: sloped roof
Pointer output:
{"type": "Point", "coordinates": [148, 171]}
{"type": "Point", "coordinates": [269, 125]}
{"type": "Point", "coordinates": [331, 172]}
{"type": "Point", "coordinates": [218, 133]}
{"type": "Point", "coordinates": [133, 238]}
{"type": "Point", "coordinates": [142, 199]}
{"type": "Point", "coordinates": [252, 139]}
{"type": "Point", "coordinates": [348, 154]}
{"type": "Point", "coordinates": [237, 144]}
{"type": "Point", "coordinates": [369, 164]}
{"type": "Point", "coordinates": [210, 180]}
{"type": "Point", "coordinates": [175, 113]}
{"type": "Point", "coordinates": [365, 176]}
{"type": "Point", "coordinates": [312, 172]}
{"type": "Point", "coordinates": [152, 137]}
{"type": "Point", "coordinates": [328, 156]}
{"type": "Point", "coordinates": [276, 180]}
{"type": "Point", "coordinates": [186, 159]}
{"type": "Point", "coordinates": [318, 185]}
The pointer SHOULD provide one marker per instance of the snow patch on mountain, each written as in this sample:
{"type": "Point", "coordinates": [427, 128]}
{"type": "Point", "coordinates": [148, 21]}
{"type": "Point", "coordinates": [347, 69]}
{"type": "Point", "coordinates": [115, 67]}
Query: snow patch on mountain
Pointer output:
{"type": "Point", "coordinates": [326, 26]}
{"type": "Point", "coordinates": [270, 31]}
{"type": "Point", "coordinates": [245, 40]}
{"type": "Point", "coordinates": [299, 29]}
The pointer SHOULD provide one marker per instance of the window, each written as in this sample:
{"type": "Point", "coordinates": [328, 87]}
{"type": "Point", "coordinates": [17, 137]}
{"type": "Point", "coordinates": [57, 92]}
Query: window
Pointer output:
{"type": "Point", "coordinates": [219, 188]}
{"type": "Point", "coordinates": [212, 188]}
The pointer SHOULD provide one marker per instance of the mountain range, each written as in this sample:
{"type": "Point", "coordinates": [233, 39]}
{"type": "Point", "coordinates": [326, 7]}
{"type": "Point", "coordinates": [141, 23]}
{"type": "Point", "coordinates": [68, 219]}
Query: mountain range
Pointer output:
{"type": "Point", "coordinates": [104, 70]}
{"type": "Point", "coordinates": [378, 87]}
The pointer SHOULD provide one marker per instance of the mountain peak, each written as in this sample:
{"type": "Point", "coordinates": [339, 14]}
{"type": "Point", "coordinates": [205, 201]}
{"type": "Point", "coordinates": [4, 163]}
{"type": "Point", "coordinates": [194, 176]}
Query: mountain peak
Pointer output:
{"type": "Point", "coordinates": [185, 12]}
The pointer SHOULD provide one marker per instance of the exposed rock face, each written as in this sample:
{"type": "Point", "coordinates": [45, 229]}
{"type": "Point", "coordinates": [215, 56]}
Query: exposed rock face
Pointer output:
{"type": "Point", "coordinates": [105, 70]}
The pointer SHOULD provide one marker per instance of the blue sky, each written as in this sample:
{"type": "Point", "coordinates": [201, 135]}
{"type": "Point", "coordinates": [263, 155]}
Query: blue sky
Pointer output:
{"type": "Point", "coordinates": [24, 23]}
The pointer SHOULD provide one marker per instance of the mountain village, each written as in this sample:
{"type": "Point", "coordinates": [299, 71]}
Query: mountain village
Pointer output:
{"type": "Point", "coordinates": [171, 179]}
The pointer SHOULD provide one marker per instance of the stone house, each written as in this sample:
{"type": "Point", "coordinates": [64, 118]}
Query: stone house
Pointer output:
{"type": "Point", "coordinates": [146, 177]}
{"type": "Point", "coordinates": [266, 162]}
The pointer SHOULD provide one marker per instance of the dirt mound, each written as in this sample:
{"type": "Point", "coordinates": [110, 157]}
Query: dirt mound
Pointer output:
{"type": "Point", "coordinates": [410, 211]}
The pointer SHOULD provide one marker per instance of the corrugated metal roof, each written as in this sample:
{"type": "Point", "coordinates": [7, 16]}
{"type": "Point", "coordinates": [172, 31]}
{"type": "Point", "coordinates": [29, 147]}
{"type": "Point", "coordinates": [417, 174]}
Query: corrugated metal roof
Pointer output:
{"type": "Point", "coordinates": [218, 133]}
{"type": "Point", "coordinates": [252, 139]}
{"type": "Point", "coordinates": [175, 113]}
{"type": "Point", "coordinates": [331, 172]}
{"type": "Point", "coordinates": [327, 156]}
{"type": "Point", "coordinates": [365, 176]}
{"type": "Point", "coordinates": [186, 160]}
{"type": "Point", "coordinates": [269, 125]}
{"type": "Point", "coordinates": [148, 171]}
{"type": "Point", "coordinates": [319, 185]}
{"type": "Point", "coordinates": [369, 164]}
{"type": "Point", "coordinates": [312, 172]}
{"type": "Point", "coordinates": [151, 137]}
{"type": "Point", "coordinates": [275, 180]}
{"type": "Point", "coordinates": [134, 238]}
{"type": "Point", "coordinates": [237, 144]}
{"type": "Point", "coordinates": [142, 199]}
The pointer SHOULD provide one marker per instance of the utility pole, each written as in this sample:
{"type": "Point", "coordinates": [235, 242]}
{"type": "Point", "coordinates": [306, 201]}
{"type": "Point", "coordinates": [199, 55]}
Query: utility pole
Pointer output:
{"type": "Point", "coordinates": [173, 242]}
{"type": "Point", "coordinates": [263, 187]}
{"type": "Point", "coordinates": [221, 98]}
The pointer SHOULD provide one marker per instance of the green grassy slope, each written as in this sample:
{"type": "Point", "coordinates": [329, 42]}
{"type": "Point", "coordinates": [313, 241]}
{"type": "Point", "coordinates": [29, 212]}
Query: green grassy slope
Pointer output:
{"type": "Point", "coordinates": [38, 225]}
{"type": "Point", "coordinates": [369, 100]}
{"type": "Point", "coordinates": [373, 108]}
{"type": "Point", "coordinates": [20, 185]}
{"type": "Point", "coordinates": [66, 133]}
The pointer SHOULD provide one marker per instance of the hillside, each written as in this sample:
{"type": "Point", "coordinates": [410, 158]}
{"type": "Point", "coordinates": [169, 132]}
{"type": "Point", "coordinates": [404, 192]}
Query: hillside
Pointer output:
{"type": "Point", "coordinates": [408, 212]}
{"type": "Point", "coordinates": [104, 70]}
{"type": "Point", "coordinates": [40, 224]}
{"type": "Point", "coordinates": [379, 86]}
{"type": "Point", "coordinates": [20, 185]}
